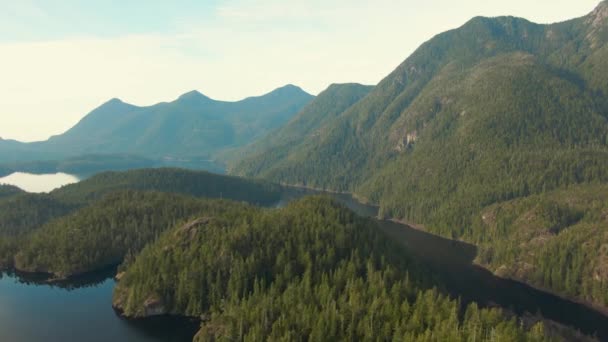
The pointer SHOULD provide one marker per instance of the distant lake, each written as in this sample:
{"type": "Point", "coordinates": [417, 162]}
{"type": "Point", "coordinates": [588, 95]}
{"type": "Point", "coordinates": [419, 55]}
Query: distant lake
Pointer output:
{"type": "Point", "coordinates": [77, 311]}
{"type": "Point", "coordinates": [39, 183]}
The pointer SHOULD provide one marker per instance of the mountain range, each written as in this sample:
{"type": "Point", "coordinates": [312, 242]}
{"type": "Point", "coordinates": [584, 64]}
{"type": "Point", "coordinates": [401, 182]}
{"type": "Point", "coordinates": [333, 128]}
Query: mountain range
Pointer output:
{"type": "Point", "coordinates": [497, 110]}
{"type": "Point", "coordinates": [192, 126]}
{"type": "Point", "coordinates": [495, 133]}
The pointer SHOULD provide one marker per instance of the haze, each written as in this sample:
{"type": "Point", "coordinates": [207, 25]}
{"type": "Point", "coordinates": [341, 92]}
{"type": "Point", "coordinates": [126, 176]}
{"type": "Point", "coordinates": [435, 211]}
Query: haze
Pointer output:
{"type": "Point", "coordinates": [60, 61]}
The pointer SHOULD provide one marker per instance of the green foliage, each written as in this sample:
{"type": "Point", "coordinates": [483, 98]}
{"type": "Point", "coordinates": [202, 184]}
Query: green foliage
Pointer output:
{"type": "Point", "coordinates": [23, 213]}
{"type": "Point", "coordinates": [275, 148]}
{"type": "Point", "coordinates": [194, 183]}
{"type": "Point", "coordinates": [104, 233]}
{"type": "Point", "coordinates": [7, 190]}
{"type": "Point", "coordinates": [36, 225]}
{"type": "Point", "coordinates": [310, 271]}
{"type": "Point", "coordinates": [498, 109]}
{"type": "Point", "coordinates": [557, 240]}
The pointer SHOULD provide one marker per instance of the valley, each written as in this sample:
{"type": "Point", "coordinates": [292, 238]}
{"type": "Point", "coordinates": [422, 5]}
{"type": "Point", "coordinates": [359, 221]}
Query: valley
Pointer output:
{"type": "Point", "coordinates": [464, 197]}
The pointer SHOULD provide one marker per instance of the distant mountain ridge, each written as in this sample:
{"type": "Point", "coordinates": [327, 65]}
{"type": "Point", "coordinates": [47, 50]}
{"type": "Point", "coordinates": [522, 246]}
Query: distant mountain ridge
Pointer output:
{"type": "Point", "coordinates": [277, 146]}
{"type": "Point", "coordinates": [193, 125]}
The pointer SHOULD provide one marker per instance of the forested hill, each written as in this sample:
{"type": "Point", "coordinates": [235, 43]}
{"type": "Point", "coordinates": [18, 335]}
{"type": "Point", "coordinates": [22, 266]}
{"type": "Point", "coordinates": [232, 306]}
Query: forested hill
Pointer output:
{"type": "Point", "coordinates": [9, 190]}
{"type": "Point", "coordinates": [21, 213]}
{"type": "Point", "coordinates": [77, 217]}
{"type": "Point", "coordinates": [312, 271]}
{"type": "Point", "coordinates": [500, 108]}
{"type": "Point", "coordinates": [194, 183]}
{"type": "Point", "coordinates": [192, 126]}
{"type": "Point", "coordinates": [104, 233]}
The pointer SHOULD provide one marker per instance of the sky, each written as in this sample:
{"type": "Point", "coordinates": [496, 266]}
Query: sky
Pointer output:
{"type": "Point", "coordinates": [59, 59]}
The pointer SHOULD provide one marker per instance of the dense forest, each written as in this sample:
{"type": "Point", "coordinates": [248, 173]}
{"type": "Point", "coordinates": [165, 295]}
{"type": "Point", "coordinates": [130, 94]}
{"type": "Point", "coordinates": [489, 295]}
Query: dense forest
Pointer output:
{"type": "Point", "coordinates": [498, 109]}
{"type": "Point", "coordinates": [8, 190]}
{"type": "Point", "coordinates": [22, 212]}
{"type": "Point", "coordinates": [63, 232]}
{"type": "Point", "coordinates": [557, 240]}
{"type": "Point", "coordinates": [310, 271]}
{"type": "Point", "coordinates": [273, 149]}
{"type": "Point", "coordinates": [195, 183]}
{"type": "Point", "coordinates": [104, 233]}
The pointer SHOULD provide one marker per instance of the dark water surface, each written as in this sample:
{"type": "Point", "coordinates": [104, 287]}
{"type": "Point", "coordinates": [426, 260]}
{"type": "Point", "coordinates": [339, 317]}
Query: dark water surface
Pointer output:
{"type": "Point", "coordinates": [452, 262]}
{"type": "Point", "coordinates": [78, 310]}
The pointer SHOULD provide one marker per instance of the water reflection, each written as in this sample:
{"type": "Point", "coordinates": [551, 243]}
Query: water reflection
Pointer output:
{"type": "Point", "coordinates": [92, 279]}
{"type": "Point", "coordinates": [39, 183]}
{"type": "Point", "coordinates": [78, 309]}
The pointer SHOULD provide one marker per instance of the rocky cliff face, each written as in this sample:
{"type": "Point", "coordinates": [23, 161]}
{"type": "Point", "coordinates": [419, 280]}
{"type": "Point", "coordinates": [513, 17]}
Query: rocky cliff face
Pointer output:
{"type": "Point", "coordinates": [598, 24]}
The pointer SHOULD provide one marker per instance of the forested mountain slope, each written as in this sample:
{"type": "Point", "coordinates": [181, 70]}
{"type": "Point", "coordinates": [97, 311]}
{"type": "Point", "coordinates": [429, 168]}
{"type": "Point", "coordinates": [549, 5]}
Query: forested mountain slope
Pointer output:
{"type": "Point", "coordinates": [276, 148]}
{"type": "Point", "coordinates": [557, 240]}
{"type": "Point", "coordinates": [497, 109]}
{"type": "Point", "coordinates": [313, 271]}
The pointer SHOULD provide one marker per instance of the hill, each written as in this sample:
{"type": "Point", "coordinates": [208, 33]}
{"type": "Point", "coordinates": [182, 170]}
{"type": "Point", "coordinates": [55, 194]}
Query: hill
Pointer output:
{"type": "Point", "coordinates": [68, 214]}
{"type": "Point", "coordinates": [104, 233]}
{"type": "Point", "coordinates": [188, 182]}
{"type": "Point", "coordinates": [312, 270]}
{"type": "Point", "coordinates": [7, 190]}
{"type": "Point", "coordinates": [556, 240]}
{"type": "Point", "coordinates": [498, 109]}
{"type": "Point", "coordinates": [191, 127]}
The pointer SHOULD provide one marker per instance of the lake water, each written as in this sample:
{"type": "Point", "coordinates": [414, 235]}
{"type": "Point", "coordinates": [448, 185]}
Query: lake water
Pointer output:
{"type": "Point", "coordinates": [80, 310]}
{"type": "Point", "coordinates": [39, 183]}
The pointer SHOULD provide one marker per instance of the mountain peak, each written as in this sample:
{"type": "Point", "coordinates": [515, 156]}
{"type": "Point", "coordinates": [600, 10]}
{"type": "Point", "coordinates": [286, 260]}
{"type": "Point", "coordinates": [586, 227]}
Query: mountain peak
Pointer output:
{"type": "Point", "coordinates": [193, 95]}
{"type": "Point", "coordinates": [114, 100]}
{"type": "Point", "coordinates": [288, 90]}
{"type": "Point", "coordinates": [113, 104]}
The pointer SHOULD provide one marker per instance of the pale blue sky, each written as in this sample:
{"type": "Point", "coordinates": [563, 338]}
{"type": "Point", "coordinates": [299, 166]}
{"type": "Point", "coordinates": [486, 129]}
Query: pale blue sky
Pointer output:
{"type": "Point", "coordinates": [62, 58]}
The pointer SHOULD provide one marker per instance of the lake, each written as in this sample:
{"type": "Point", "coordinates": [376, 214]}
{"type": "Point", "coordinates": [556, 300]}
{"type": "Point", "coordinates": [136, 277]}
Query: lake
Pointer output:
{"type": "Point", "coordinates": [80, 310]}
{"type": "Point", "coordinates": [39, 183]}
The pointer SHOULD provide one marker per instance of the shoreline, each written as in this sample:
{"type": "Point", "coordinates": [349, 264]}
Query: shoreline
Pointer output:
{"type": "Point", "coordinates": [420, 227]}
{"type": "Point", "coordinates": [599, 308]}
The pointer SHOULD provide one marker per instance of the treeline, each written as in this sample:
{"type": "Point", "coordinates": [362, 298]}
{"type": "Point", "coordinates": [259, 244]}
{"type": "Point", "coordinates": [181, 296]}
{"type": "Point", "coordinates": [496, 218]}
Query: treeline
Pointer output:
{"type": "Point", "coordinates": [104, 233]}
{"type": "Point", "coordinates": [7, 190]}
{"type": "Point", "coordinates": [36, 225]}
{"type": "Point", "coordinates": [188, 182]}
{"type": "Point", "coordinates": [26, 212]}
{"type": "Point", "coordinates": [310, 271]}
